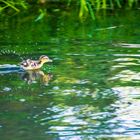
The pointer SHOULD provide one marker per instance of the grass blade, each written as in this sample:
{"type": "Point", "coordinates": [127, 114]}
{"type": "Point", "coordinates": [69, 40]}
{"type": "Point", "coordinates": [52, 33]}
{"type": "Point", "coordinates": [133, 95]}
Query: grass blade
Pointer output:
{"type": "Point", "coordinates": [10, 5]}
{"type": "Point", "coordinates": [91, 10]}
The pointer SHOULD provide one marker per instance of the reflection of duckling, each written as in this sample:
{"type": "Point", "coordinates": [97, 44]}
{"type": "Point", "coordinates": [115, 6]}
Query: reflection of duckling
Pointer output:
{"type": "Point", "coordinates": [33, 65]}
{"type": "Point", "coordinates": [45, 77]}
{"type": "Point", "coordinates": [37, 75]}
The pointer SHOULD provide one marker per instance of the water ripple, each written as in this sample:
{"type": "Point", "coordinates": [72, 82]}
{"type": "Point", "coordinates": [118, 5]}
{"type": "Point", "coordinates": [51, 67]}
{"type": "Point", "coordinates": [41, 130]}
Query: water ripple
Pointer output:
{"type": "Point", "coordinates": [8, 68]}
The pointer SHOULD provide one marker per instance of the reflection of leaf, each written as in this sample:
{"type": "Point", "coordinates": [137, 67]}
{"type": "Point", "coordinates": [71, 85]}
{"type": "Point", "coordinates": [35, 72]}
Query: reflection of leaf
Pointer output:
{"type": "Point", "coordinates": [69, 2]}
{"type": "Point", "coordinates": [41, 15]}
{"type": "Point", "coordinates": [118, 3]}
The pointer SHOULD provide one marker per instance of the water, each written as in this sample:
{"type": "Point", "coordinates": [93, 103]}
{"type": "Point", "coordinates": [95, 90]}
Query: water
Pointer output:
{"type": "Point", "coordinates": [90, 91]}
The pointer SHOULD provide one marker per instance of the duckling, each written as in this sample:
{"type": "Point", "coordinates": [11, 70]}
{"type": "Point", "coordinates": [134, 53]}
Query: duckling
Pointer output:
{"type": "Point", "coordinates": [34, 64]}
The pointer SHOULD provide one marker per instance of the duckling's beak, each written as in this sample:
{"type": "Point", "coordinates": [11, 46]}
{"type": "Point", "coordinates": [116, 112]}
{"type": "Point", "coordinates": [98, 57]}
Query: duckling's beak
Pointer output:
{"type": "Point", "coordinates": [50, 60]}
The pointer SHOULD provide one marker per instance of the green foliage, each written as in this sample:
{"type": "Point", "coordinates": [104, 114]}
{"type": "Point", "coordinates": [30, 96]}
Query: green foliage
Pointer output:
{"type": "Point", "coordinates": [86, 7]}
{"type": "Point", "coordinates": [13, 4]}
{"type": "Point", "coordinates": [91, 6]}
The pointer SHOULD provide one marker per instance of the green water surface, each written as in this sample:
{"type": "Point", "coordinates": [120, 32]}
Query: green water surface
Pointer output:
{"type": "Point", "coordinates": [91, 90]}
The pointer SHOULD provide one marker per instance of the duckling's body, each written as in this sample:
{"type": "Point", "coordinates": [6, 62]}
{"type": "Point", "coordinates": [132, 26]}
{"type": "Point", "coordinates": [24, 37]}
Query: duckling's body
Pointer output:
{"type": "Point", "coordinates": [33, 64]}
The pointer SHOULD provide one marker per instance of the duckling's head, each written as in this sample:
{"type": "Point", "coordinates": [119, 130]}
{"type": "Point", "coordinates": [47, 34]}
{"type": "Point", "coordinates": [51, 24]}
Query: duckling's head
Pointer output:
{"type": "Point", "coordinates": [44, 59]}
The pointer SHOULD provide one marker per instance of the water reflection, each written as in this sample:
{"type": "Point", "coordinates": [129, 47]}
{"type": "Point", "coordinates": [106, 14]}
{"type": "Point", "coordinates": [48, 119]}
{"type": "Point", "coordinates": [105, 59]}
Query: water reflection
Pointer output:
{"type": "Point", "coordinates": [28, 76]}
{"type": "Point", "coordinates": [95, 94]}
{"type": "Point", "coordinates": [71, 115]}
{"type": "Point", "coordinates": [36, 76]}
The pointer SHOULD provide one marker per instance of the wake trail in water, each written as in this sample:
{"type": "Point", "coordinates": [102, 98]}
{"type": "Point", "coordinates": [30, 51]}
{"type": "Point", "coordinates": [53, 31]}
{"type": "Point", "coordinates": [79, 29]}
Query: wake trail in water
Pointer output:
{"type": "Point", "coordinates": [8, 68]}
